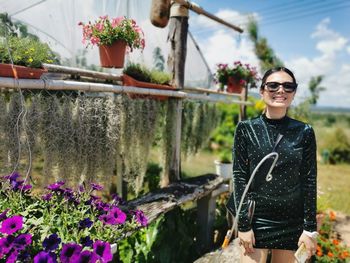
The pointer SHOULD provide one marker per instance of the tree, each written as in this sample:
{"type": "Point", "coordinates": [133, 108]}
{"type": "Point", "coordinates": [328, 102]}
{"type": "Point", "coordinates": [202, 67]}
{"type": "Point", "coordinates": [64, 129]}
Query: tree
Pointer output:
{"type": "Point", "coordinates": [158, 59]}
{"type": "Point", "coordinates": [263, 51]}
{"type": "Point", "coordinates": [315, 88]}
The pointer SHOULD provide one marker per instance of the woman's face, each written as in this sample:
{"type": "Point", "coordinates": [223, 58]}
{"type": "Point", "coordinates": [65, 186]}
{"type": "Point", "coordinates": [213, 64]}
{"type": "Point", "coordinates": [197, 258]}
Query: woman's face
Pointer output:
{"type": "Point", "coordinates": [279, 98]}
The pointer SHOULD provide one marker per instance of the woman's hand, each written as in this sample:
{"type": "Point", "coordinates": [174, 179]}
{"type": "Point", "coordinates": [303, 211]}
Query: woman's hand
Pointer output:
{"type": "Point", "coordinates": [247, 240]}
{"type": "Point", "coordinates": [310, 244]}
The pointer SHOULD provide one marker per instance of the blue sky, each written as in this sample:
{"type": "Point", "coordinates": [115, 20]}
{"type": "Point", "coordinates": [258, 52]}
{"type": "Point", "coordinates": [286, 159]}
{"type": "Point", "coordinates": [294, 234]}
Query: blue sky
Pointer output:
{"type": "Point", "coordinates": [311, 37]}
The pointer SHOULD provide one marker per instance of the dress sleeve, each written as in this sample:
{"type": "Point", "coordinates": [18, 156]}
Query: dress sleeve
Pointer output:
{"type": "Point", "coordinates": [240, 171]}
{"type": "Point", "coordinates": [309, 180]}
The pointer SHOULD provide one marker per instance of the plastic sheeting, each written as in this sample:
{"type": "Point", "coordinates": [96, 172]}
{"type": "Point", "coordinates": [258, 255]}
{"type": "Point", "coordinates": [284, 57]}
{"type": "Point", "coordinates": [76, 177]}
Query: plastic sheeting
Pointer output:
{"type": "Point", "coordinates": [56, 23]}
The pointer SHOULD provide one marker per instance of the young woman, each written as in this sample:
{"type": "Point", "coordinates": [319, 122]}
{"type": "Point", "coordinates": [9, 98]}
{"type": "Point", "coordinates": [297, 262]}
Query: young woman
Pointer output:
{"type": "Point", "coordinates": [285, 210]}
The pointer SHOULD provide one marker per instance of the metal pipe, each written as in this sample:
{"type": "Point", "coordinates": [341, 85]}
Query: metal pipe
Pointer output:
{"type": "Point", "coordinates": [49, 84]}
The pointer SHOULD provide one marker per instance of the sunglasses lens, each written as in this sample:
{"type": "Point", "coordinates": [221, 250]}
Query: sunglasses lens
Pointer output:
{"type": "Point", "coordinates": [287, 86]}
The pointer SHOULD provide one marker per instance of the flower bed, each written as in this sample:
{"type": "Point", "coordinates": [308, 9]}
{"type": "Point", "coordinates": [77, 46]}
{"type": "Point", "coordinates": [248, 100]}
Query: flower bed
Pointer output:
{"type": "Point", "coordinates": [330, 248]}
{"type": "Point", "coordinates": [62, 225]}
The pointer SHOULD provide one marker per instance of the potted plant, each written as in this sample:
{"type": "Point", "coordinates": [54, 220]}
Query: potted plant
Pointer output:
{"type": "Point", "coordinates": [61, 225]}
{"type": "Point", "coordinates": [112, 36]}
{"type": "Point", "coordinates": [138, 75]}
{"type": "Point", "coordinates": [23, 57]}
{"type": "Point", "coordinates": [224, 165]}
{"type": "Point", "coordinates": [236, 77]}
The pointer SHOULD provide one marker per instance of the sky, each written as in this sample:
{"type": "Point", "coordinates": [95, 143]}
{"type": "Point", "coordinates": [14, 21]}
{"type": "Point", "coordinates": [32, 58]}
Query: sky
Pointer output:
{"type": "Point", "coordinates": [311, 38]}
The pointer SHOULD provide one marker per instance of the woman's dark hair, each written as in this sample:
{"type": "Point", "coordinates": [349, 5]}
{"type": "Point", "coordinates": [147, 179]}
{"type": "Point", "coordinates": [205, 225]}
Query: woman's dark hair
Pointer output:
{"type": "Point", "coordinates": [274, 70]}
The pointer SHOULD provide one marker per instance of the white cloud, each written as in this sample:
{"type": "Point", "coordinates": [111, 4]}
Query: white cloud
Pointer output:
{"type": "Point", "coordinates": [348, 49]}
{"type": "Point", "coordinates": [337, 82]}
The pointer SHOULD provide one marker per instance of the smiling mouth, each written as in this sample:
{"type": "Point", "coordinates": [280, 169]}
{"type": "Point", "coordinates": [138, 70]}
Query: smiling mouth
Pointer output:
{"type": "Point", "coordinates": [279, 98]}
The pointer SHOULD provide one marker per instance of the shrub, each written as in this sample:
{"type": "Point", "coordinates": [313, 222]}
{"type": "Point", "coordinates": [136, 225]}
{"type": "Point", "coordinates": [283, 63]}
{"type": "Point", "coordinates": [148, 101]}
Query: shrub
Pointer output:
{"type": "Point", "coordinates": [338, 145]}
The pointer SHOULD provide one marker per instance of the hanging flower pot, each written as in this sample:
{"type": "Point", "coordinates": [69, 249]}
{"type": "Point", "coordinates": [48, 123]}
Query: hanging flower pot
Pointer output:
{"type": "Point", "coordinates": [112, 56]}
{"type": "Point", "coordinates": [112, 35]}
{"type": "Point", "coordinates": [234, 85]}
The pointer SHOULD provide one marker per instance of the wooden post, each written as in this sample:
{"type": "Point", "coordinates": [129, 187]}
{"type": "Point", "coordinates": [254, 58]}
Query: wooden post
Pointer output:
{"type": "Point", "coordinates": [178, 29]}
{"type": "Point", "coordinates": [205, 220]}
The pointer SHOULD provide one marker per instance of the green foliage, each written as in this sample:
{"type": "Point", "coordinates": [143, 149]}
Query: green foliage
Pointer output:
{"type": "Point", "coordinates": [225, 156]}
{"type": "Point", "coordinates": [338, 145]}
{"type": "Point", "coordinates": [158, 59]}
{"type": "Point", "coordinates": [199, 119]}
{"type": "Point", "coordinates": [26, 51]}
{"type": "Point", "coordinates": [315, 88]}
{"type": "Point", "coordinates": [263, 51]}
{"type": "Point", "coordinates": [142, 73]}
{"type": "Point", "coordinates": [152, 177]}
{"type": "Point", "coordinates": [16, 29]}
{"type": "Point", "coordinates": [170, 239]}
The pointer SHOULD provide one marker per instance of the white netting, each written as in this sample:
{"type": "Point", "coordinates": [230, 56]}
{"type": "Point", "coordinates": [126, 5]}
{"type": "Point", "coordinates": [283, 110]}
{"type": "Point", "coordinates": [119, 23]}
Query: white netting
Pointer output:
{"type": "Point", "coordinates": [56, 23]}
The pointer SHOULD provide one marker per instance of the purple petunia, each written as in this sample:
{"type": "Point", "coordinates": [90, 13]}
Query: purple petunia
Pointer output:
{"type": "Point", "coordinates": [11, 225]}
{"type": "Point", "coordinates": [12, 257]}
{"type": "Point", "coordinates": [85, 223]}
{"type": "Point", "coordinates": [96, 187]}
{"type": "Point", "coordinates": [141, 218]}
{"type": "Point", "coordinates": [52, 242]}
{"type": "Point", "coordinates": [118, 214]}
{"type": "Point", "coordinates": [6, 244]}
{"type": "Point", "coordinates": [45, 257]}
{"type": "Point", "coordinates": [103, 249]}
{"type": "Point", "coordinates": [70, 253]}
{"type": "Point", "coordinates": [22, 241]}
{"type": "Point", "coordinates": [46, 197]}
{"type": "Point", "coordinates": [3, 214]}
{"type": "Point", "coordinates": [107, 219]}
{"type": "Point", "coordinates": [12, 177]}
{"type": "Point", "coordinates": [86, 241]}
{"type": "Point", "coordinates": [55, 186]}
{"type": "Point", "coordinates": [117, 199]}
{"type": "Point", "coordinates": [87, 257]}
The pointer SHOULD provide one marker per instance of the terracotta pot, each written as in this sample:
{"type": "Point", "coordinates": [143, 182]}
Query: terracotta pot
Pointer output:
{"type": "Point", "coordinates": [112, 56]}
{"type": "Point", "coordinates": [233, 85]}
{"type": "Point", "coordinates": [129, 81]}
{"type": "Point", "coordinates": [22, 72]}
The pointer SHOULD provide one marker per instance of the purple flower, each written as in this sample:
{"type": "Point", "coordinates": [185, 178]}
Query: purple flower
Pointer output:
{"type": "Point", "coordinates": [6, 244]}
{"type": "Point", "coordinates": [11, 225]}
{"type": "Point", "coordinates": [85, 223]}
{"type": "Point", "coordinates": [118, 214]}
{"type": "Point", "coordinates": [70, 252]}
{"type": "Point", "coordinates": [3, 214]}
{"type": "Point", "coordinates": [141, 218]}
{"type": "Point", "coordinates": [46, 197]}
{"type": "Point", "coordinates": [12, 257]}
{"type": "Point", "coordinates": [101, 206]}
{"type": "Point", "coordinates": [107, 219]}
{"type": "Point", "coordinates": [103, 249]}
{"type": "Point", "coordinates": [81, 188]}
{"type": "Point", "coordinates": [96, 187]}
{"type": "Point", "coordinates": [22, 240]}
{"type": "Point", "coordinates": [86, 241]}
{"type": "Point", "coordinates": [117, 199]}
{"type": "Point", "coordinates": [87, 257]}
{"type": "Point", "coordinates": [26, 187]}
{"type": "Point", "coordinates": [12, 177]}
{"type": "Point", "coordinates": [51, 243]}
{"type": "Point", "coordinates": [45, 257]}
{"type": "Point", "coordinates": [55, 186]}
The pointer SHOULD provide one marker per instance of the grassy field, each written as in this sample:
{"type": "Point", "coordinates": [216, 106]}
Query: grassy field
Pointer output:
{"type": "Point", "coordinates": [333, 180]}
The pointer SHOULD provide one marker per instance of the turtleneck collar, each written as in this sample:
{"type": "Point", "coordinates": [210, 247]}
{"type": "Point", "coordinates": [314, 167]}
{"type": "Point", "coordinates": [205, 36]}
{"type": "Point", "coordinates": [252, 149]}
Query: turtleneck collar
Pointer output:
{"type": "Point", "coordinates": [282, 120]}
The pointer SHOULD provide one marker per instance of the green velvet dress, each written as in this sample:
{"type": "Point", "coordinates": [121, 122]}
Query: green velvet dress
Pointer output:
{"type": "Point", "coordinates": [286, 205]}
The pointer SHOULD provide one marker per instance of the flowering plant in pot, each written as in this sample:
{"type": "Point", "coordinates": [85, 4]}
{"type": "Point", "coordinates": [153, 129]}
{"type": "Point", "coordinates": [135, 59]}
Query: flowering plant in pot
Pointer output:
{"type": "Point", "coordinates": [113, 35]}
{"type": "Point", "coordinates": [240, 75]}
{"type": "Point", "coordinates": [26, 54]}
{"type": "Point", "coordinates": [224, 164]}
{"type": "Point", "coordinates": [62, 225]}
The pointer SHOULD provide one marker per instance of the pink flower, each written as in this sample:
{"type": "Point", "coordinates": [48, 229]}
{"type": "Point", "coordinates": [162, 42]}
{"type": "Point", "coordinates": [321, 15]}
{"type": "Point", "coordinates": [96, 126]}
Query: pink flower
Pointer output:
{"type": "Point", "coordinates": [95, 40]}
{"type": "Point", "coordinates": [99, 27]}
{"type": "Point", "coordinates": [116, 21]}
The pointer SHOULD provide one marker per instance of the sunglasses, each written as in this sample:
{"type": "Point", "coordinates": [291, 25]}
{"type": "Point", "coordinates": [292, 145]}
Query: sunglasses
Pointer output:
{"type": "Point", "coordinates": [288, 87]}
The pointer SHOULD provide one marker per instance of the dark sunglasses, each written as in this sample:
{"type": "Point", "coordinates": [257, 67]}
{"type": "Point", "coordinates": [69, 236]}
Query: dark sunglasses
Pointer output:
{"type": "Point", "coordinates": [288, 87]}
